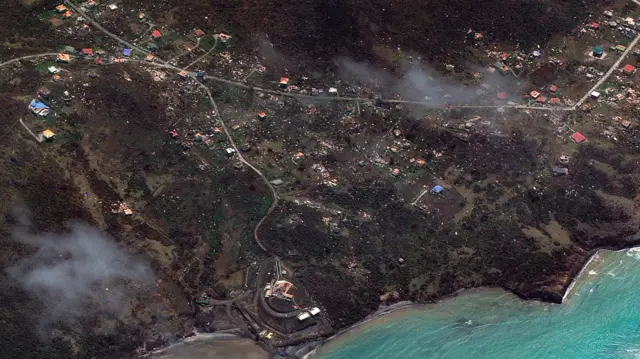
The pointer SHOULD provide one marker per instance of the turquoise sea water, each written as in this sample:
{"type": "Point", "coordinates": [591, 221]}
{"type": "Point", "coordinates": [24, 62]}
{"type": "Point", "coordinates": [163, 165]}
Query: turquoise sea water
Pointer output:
{"type": "Point", "coordinates": [600, 319]}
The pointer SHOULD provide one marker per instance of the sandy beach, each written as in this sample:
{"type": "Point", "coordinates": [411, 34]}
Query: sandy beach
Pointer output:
{"type": "Point", "coordinates": [223, 346]}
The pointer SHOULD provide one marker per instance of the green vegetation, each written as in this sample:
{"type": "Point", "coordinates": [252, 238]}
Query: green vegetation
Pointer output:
{"type": "Point", "coordinates": [71, 137]}
{"type": "Point", "coordinates": [46, 15]}
{"type": "Point", "coordinates": [44, 65]}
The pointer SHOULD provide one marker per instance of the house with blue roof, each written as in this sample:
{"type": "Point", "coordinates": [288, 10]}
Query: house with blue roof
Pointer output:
{"type": "Point", "coordinates": [39, 108]}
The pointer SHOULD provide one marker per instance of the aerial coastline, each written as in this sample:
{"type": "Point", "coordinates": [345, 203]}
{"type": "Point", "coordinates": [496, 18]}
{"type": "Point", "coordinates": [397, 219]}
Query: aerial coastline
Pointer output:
{"type": "Point", "coordinates": [271, 187]}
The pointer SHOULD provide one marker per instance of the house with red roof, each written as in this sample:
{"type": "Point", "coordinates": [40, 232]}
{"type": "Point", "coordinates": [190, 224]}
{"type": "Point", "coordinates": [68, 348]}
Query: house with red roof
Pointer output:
{"type": "Point", "coordinates": [578, 137]}
{"type": "Point", "coordinates": [156, 34]}
{"type": "Point", "coordinates": [629, 69]}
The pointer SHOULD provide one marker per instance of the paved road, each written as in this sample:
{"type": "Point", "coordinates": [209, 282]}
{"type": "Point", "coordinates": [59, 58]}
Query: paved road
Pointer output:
{"type": "Point", "coordinates": [357, 99]}
{"type": "Point", "coordinates": [611, 70]}
{"type": "Point", "coordinates": [419, 196]}
{"type": "Point", "coordinates": [107, 32]}
{"type": "Point", "coordinates": [203, 56]}
{"type": "Point", "coordinates": [47, 54]}
{"type": "Point", "coordinates": [217, 114]}
{"type": "Point", "coordinates": [245, 85]}
{"type": "Point", "coordinates": [29, 130]}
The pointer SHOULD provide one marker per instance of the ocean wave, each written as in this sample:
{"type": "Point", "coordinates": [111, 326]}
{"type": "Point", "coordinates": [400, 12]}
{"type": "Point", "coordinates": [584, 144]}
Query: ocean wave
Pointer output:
{"type": "Point", "coordinates": [633, 252]}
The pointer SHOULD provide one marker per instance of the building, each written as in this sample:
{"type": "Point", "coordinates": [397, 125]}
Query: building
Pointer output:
{"type": "Point", "coordinates": [87, 52]}
{"type": "Point", "coordinates": [555, 101]}
{"type": "Point", "coordinates": [626, 123]}
{"type": "Point", "coordinates": [112, 7]}
{"type": "Point", "coordinates": [230, 151]}
{"type": "Point", "coordinates": [156, 34]}
{"type": "Point", "coordinates": [141, 15]}
{"type": "Point", "coordinates": [629, 69]}
{"type": "Point", "coordinates": [594, 25]}
{"type": "Point", "coordinates": [595, 95]}
{"type": "Point", "coordinates": [149, 58]}
{"type": "Point", "coordinates": [598, 51]}
{"type": "Point", "coordinates": [560, 171]}
{"type": "Point", "coordinates": [504, 69]}
{"type": "Point", "coordinates": [127, 52]}
{"type": "Point", "coordinates": [437, 189]}
{"type": "Point", "coordinates": [303, 316]}
{"type": "Point", "coordinates": [541, 99]}
{"type": "Point", "coordinates": [63, 58]}
{"type": "Point", "coordinates": [314, 311]}
{"type": "Point", "coordinates": [277, 182]}
{"type": "Point", "coordinates": [280, 289]}
{"type": "Point", "coordinates": [333, 91]}
{"type": "Point", "coordinates": [620, 48]}
{"type": "Point", "coordinates": [61, 8]}
{"type": "Point", "coordinates": [128, 212]}
{"type": "Point", "coordinates": [223, 37]}
{"type": "Point", "coordinates": [44, 92]}
{"type": "Point", "coordinates": [420, 162]}
{"type": "Point", "coordinates": [48, 134]}
{"type": "Point", "coordinates": [395, 172]}
{"type": "Point", "coordinates": [564, 159]}
{"type": "Point", "coordinates": [200, 75]}
{"type": "Point", "coordinates": [553, 88]}
{"type": "Point", "coordinates": [578, 137]}
{"type": "Point", "coordinates": [200, 33]}
{"type": "Point", "coordinates": [67, 14]}
{"type": "Point", "coordinates": [284, 81]}
{"type": "Point", "coordinates": [183, 75]}
{"type": "Point", "coordinates": [534, 94]}
{"type": "Point", "coordinates": [39, 108]}
{"type": "Point", "coordinates": [262, 115]}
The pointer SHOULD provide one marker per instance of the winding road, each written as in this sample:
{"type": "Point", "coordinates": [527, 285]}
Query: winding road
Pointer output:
{"type": "Point", "coordinates": [276, 197]}
{"type": "Point", "coordinates": [241, 158]}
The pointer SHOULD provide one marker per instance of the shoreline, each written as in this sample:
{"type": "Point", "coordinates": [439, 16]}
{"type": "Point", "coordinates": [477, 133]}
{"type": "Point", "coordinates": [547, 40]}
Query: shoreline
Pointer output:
{"type": "Point", "coordinates": [309, 350]}
{"type": "Point", "coordinates": [384, 310]}
{"type": "Point", "coordinates": [576, 277]}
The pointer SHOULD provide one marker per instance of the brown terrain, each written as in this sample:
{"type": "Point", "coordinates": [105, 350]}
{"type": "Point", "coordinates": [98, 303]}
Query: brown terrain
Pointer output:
{"type": "Point", "coordinates": [348, 233]}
